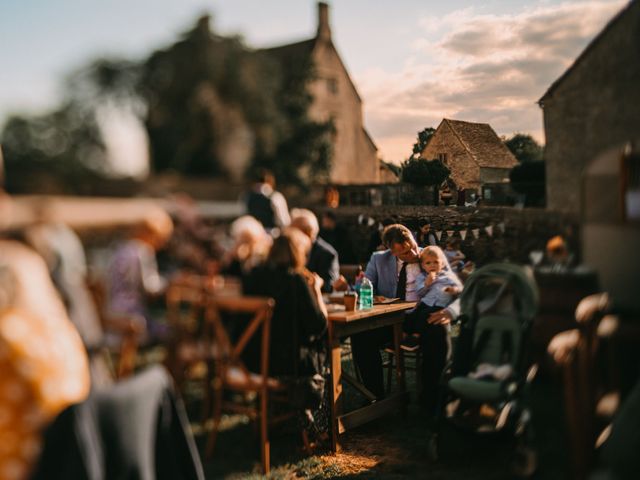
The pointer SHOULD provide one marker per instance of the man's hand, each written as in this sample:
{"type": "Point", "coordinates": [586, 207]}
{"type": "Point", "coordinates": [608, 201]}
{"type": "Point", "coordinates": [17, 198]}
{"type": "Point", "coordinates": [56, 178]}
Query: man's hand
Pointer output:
{"type": "Point", "coordinates": [441, 317]}
{"type": "Point", "coordinates": [340, 284]}
{"type": "Point", "coordinates": [451, 290]}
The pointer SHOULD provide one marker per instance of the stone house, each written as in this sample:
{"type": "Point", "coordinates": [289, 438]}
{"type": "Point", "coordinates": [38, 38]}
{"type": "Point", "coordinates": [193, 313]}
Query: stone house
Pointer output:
{"type": "Point", "coordinates": [335, 97]}
{"type": "Point", "coordinates": [593, 106]}
{"type": "Point", "coordinates": [472, 151]}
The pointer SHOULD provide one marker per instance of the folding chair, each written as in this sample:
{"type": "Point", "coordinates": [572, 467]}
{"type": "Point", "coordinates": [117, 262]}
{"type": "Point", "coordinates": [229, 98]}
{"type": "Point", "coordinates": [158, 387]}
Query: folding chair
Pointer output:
{"type": "Point", "coordinates": [231, 373]}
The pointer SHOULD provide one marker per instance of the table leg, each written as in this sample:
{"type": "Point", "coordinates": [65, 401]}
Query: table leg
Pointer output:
{"type": "Point", "coordinates": [336, 391]}
{"type": "Point", "coordinates": [400, 372]}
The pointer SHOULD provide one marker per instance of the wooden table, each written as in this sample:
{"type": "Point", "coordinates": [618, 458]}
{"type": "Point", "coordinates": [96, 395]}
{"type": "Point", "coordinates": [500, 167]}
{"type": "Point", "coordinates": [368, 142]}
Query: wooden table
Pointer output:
{"type": "Point", "coordinates": [343, 324]}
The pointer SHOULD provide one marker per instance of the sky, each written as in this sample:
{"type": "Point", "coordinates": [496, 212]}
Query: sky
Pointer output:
{"type": "Point", "coordinates": [414, 62]}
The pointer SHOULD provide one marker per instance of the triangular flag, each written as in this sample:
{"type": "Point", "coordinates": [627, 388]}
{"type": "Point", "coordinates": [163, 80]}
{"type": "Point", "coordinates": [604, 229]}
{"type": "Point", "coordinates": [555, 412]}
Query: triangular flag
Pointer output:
{"type": "Point", "coordinates": [476, 232]}
{"type": "Point", "coordinates": [449, 233]}
{"type": "Point", "coordinates": [489, 230]}
{"type": "Point", "coordinates": [463, 234]}
{"type": "Point", "coordinates": [501, 226]}
{"type": "Point", "coordinates": [438, 235]}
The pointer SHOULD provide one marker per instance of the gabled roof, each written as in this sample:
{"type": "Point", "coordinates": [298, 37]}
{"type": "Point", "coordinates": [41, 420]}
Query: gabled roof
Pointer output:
{"type": "Point", "coordinates": [290, 51]}
{"type": "Point", "coordinates": [611, 25]}
{"type": "Point", "coordinates": [482, 142]}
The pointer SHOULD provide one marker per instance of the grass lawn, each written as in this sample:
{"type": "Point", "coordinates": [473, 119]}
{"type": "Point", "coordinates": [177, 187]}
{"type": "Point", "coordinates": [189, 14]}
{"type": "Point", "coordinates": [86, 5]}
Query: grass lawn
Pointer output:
{"type": "Point", "coordinates": [389, 448]}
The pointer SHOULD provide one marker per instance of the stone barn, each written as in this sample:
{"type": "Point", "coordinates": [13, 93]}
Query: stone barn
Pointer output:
{"type": "Point", "coordinates": [472, 151]}
{"type": "Point", "coordinates": [593, 106]}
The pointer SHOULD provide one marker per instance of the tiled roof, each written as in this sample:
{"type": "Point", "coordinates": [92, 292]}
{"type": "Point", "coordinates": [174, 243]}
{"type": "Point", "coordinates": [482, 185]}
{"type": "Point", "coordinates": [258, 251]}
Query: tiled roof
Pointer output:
{"type": "Point", "coordinates": [482, 142]}
{"type": "Point", "coordinates": [292, 51]}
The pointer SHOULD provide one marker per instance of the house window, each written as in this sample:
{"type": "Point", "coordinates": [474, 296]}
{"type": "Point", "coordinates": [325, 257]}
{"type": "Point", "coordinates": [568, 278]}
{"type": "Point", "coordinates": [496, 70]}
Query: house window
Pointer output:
{"type": "Point", "coordinates": [332, 85]}
{"type": "Point", "coordinates": [443, 157]}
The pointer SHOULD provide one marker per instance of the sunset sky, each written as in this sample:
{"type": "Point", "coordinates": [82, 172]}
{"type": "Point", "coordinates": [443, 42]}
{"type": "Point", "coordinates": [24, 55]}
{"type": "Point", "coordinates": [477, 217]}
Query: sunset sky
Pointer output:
{"type": "Point", "coordinates": [413, 61]}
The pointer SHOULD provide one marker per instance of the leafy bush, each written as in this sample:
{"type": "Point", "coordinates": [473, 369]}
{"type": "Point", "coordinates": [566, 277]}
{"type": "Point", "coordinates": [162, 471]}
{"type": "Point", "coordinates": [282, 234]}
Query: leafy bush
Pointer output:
{"type": "Point", "coordinates": [422, 172]}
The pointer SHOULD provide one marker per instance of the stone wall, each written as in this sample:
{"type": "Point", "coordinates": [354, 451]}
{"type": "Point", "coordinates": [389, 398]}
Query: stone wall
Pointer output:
{"type": "Point", "coordinates": [513, 232]}
{"type": "Point", "coordinates": [593, 107]}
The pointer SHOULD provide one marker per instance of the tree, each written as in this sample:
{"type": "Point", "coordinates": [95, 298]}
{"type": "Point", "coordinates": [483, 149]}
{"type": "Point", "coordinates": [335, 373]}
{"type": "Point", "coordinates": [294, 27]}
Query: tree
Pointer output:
{"type": "Point", "coordinates": [422, 172]}
{"type": "Point", "coordinates": [423, 138]}
{"type": "Point", "coordinates": [524, 148]}
{"type": "Point", "coordinates": [529, 179]}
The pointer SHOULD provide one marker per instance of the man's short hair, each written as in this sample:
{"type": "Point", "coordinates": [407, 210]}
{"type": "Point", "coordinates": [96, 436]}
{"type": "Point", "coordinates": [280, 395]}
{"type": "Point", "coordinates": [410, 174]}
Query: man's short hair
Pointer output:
{"type": "Point", "coordinates": [396, 233]}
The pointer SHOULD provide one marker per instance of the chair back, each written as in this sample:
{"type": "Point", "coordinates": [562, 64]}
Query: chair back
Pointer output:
{"type": "Point", "coordinates": [221, 314]}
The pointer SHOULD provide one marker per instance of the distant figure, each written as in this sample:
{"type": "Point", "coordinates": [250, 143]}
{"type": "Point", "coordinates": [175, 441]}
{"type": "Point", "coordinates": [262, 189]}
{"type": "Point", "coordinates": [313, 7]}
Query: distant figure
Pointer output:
{"type": "Point", "coordinates": [424, 235]}
{"type": "Point", "coordinates": [133, 272]}
{"type": "Point", "coordinates": [337, 235]}
{"type": "Point", "coordinates": [557, 255]}
{"type": "Point", "coordinates": [454, 255]}
{"type": "Point", "coordinates": [375, 240]}
{"type": "Point", "coordinates": [323, 258]}
{"type": "Point", "coordinates": [265, 203]}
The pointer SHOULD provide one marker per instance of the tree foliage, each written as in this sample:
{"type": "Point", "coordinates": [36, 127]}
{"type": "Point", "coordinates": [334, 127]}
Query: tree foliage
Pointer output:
{"type": "Point", "coordinates": [529, 179]}
{"type": "Point", "coordinates": [422, 172]}
{"type": "Point", "coordinates": [199, 99]}
{"type": "Point", "coordinates": [525, 148]}
{"type": "Point", "coordinates": [423, 138]}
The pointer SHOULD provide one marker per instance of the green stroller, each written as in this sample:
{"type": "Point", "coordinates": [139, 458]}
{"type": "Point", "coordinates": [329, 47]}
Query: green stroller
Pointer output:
{"type": "Point", "coordinates": [481, 390]}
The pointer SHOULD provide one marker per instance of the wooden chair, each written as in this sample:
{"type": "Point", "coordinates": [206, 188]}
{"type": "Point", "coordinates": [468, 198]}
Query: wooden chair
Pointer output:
{"type": "Point", "coordinates": [185, 303]}
{"type": "Point", "coordinates": [128, 327]}
{"type": "Point", "coordinates": [231, 372]}
{"type": "Point", "coordinates": [591, 375]}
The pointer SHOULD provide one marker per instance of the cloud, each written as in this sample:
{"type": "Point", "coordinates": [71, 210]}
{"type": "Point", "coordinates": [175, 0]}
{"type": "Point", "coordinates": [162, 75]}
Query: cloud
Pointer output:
{"type": "Point", "coordinates": [479, 67]}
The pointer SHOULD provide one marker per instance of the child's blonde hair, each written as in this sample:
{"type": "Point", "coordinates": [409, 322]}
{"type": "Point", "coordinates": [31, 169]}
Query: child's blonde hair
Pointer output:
{"type": "Point", "coordinates": [433, 251]}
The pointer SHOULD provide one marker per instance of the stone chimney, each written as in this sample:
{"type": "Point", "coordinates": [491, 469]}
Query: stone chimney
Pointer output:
{"type": "Point", "coordinates": [324, 31]}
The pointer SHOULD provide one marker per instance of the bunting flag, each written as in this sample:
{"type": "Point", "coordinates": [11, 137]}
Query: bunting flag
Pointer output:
{"type": "Point", "coordinates": [449, 233]}
{"type": "Point", "coordinates": [501, 227]}
{"type": "Point", "coordinates": [463, 234]}
{"type": "Point", "coordinates": [489, 230]}
{"type": "Point", "coordinates": [438, 235]}
{"type": "Point", "coordinates": [476, 232]}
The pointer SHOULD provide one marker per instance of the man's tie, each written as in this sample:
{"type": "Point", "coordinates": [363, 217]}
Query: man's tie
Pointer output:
{"type": "Point", "coordinates": [401, 289]}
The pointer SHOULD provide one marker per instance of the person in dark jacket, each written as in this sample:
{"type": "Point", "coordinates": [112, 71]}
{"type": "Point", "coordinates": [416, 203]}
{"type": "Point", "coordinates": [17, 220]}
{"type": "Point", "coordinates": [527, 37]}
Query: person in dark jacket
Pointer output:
{"type": "Point", "coordinates": [300, 316]}
{"type": "Point", "coordinates": [323, 258]}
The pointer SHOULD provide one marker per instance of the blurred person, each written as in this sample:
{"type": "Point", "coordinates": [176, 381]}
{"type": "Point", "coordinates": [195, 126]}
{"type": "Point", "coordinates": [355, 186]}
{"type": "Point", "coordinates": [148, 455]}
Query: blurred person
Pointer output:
{"type": "Point", "coordinates": [133, 276]}
{"type": "Point", "coordinates": [63, 253]}
{"type": "Point", "coordinates": [299, 323]}
{"type": "Point", "coordinates": [457, 259]}
{"type": "Point", "coordinates": [557, 255]}
{"type": "Point", "coordinates": [42, 359]}
{"type": "Point", "coordinates": [192, 246]}
{"type": "Point", "coordinates": [335, 233]}
{"type": "Point", "coordinates": [424, 235]}
{"type": "Point", "coordinates": [250, 248]}
{"type": "Point", "coordinates": [323, 258]}
{"type": "Point", "coordinates": [265, 203]}
{"type": "Point", "coordinates": [375, 239]}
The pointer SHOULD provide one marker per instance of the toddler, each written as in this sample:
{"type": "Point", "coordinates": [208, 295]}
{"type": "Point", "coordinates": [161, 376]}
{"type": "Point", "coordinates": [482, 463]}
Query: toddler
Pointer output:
{"type": "Point", "coordinates": [441, 287]}
{"type": "Point", "coordinates": [454, 255]}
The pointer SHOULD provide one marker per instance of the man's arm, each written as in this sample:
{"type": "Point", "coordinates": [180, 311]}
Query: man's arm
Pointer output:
{"type": "Point", "coordinates": [371, 272]}
{"type": "Point", "coordinates": [446, 315]}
